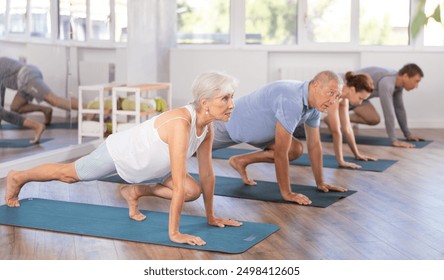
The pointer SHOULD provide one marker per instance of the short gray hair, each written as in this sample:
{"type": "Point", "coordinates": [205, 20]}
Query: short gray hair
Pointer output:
{"type": "Point", "coordinates": [209, 84]}
{"type": "Point", "coordinates": [326, 76]}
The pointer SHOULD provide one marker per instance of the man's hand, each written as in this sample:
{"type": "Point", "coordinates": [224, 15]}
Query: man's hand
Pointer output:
{"type": "Point", "coordinates": [324, 187]}
{"type": "Point", "coordinates": [415, 138]}
{"type": "Point", "coordinates": [298, 198]}
{"type": "Point", "coordinates": [402, 144]}
{"type": "Point", "coordinates": [347, 164]}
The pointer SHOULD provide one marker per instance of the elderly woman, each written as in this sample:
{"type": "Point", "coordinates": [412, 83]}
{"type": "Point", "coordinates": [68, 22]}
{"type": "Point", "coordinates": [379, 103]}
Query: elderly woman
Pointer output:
{"type": "Point", "coordinates": [155, 153]}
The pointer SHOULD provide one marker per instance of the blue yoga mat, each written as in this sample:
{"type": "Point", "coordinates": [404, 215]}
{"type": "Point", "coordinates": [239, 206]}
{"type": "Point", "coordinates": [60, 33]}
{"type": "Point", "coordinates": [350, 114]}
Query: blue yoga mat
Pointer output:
{"type": "Point", "coordinates": [20, 143]}
{"type": "Point", "coordinates": [114, 223]}
{"type": "Point", "coordinates": [59, 125]}
{"type": "Point", "coordinates": [329, 161]}
{"type": "Point", "coordinates": [375, 141]}
{"type": "Point", "coordinates": [264, 190]}
{"type": "Point", "coordinates": [269, 191]}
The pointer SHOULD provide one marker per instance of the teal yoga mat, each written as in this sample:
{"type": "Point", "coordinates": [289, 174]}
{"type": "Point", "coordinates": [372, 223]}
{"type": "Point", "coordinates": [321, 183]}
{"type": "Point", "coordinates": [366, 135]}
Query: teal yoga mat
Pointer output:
{"type": "Point", "coordinates": [329, 161]}
{"type": "Point", "coordinates": [57, 125]}
{"type": "Point", "coordinates": [375, 141]}
{"type": "Point", "coordinates": [20, 143]}
{"type": "Point", "coordinates": [113, 222]}
{"type": "Point", "coordinates": [264, 190]}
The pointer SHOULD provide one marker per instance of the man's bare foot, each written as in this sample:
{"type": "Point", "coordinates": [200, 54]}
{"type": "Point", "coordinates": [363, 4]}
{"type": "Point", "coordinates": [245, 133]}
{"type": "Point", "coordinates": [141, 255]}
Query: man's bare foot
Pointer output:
{"type": "Point", "coordinates": [38, 129]}
{"type": "Point", "coordinates": [130, 194]}
{"type": "Point", "coordinates": [13, 188]}
{"type": "Point", "coordinates": [48, 115]}
{"type": "Point", "coordinates": [241, 167]}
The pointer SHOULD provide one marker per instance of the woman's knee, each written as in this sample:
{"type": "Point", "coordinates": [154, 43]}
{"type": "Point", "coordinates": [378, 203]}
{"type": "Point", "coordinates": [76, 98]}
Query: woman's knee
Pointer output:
{"type": "Point", "coordinates": [193, 190]}
{"type": "Point", "coordinates": [373, 120]}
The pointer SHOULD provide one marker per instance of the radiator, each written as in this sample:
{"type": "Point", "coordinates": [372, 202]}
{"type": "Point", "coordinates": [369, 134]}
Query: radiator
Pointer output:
{"type": "Point", "coordinates": [304, 73]}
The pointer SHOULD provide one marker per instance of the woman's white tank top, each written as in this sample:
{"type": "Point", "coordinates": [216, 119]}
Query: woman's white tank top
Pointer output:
{"type": "Point", "coordinates": [139, 153]}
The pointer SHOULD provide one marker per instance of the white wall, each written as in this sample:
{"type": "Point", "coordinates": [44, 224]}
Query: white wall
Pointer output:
{"type": "Point", "coordinates": [255, 68]}
{"type": "Point", "coordinates": [250, 67]}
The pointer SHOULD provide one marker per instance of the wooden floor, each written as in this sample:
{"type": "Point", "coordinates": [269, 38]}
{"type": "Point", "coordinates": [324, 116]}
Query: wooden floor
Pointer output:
{"type": "Point", "coordinates": [397, 214]}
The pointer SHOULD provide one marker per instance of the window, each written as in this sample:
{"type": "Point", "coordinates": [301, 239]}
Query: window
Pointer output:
{"type": "Point", "coordinates": [100, 15]}
{"type": "Point", "coordinates": [2, 17]}
{"type": "Point", "coordinates": [17, 16]}
{"type": "Point", "coordinates": [121, 16]}
{"type": "Point", "coordinates": [434, 31]}
{"type": "Point", "coordinates": [383, 22]}
{"type": "Point", "coordinates": [72, 20]}
{"type": "Point", "coordinates": [203, 22]}
{"type": "Point", "coordinates": [328, 21]}
{"type": "Point", "coordinates": [271, 22]}
{"type": "Point", "coordinates": [40, 18]}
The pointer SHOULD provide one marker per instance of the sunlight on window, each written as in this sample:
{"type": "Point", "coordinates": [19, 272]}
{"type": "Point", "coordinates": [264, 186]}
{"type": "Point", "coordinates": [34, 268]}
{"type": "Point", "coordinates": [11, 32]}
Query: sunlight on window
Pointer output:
{"type": "Point", "coordinates": [203, 22]}
{"type": "Point", "coordinates": [41, 18]}
{"type": "Point", "coordinates": [72, 20]}
{"type": "Point", "coordinates": [100, 14]}
{"type": "Point", "coordinates": [17, 16]}
{"type": "Point", "coordinates": [2, 17]}
{"type": "Point", "coordinates": [271, 22]}
{"type": "Point", "coordinates": [434, 31]}
{"type": "Point", "coordinates": [328, 21]}
{"type": "Point", "coordinates": [121, 20]}
{"type": "Point", "coordinates": [383, 22]}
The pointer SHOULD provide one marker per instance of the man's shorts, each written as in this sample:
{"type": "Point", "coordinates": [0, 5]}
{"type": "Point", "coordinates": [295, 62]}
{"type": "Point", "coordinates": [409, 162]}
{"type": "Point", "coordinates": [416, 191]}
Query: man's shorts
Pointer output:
{"type": "Point", "coordinates": [30, 84]}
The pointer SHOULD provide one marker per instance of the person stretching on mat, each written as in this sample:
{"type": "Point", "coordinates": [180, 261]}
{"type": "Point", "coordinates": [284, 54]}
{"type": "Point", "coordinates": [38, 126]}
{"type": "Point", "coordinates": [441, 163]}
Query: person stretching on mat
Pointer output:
{"type": "Point", "coordinates": [154, 152]}
{"type": "Point", "coordinates": [267, 118]}
{"type": "Point", "coordinates": [27, 80]}
{"type": "Point", "coordinates": [357, 88]}
{"type": "Point", "coordinates": [389, 85]}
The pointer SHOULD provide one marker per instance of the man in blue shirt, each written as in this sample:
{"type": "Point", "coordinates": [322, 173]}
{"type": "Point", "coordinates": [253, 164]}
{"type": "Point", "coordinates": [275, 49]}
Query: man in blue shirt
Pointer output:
{"type": "Point", "coordinates": [267, 118]}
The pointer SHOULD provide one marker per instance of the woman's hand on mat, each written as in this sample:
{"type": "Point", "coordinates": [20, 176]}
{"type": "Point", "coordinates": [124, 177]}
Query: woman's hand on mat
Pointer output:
{"type": "Point", "coordinates": [298, 198]}
{"type": "Point", "coordinates": [415, 138]}
{"type": "Point", "coordinates": [220, 222]}
{"type": "Point", "coordinates": [402, 144]}
{"type": "Point", "coordinates": [324, 187]}
{"type": "Point", "coordinates": [186, 238]}
{"type": "Point", "coordinates": [365, 158]}
{"type": "Point", "coordinates": [347, 164]}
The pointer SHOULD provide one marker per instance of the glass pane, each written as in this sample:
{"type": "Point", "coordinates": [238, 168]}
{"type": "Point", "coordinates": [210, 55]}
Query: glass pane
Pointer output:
{"type": "Point", "coordinates": [17, 16]}
{"type": "Point", "coordinates": [203, 22]}
{"type": "Point", "coordinates": [100, 14]}
{"type": "Point", "coordinates": [40, 18]}
{"type": "Point", "coordinates": [121, 20]}
{"type": "Point", "coordinates": [2, 17]}
{"type": "Point", "coordinates": [271, 22]}
{"type": "Point", "coordinates": [434, 31]}
{"type": "Point", "coordinates": [328, 21]}
{"type": "Point", "coordinates": [383, 22]}
{"type": "Point", "coordinates": [72, 20]}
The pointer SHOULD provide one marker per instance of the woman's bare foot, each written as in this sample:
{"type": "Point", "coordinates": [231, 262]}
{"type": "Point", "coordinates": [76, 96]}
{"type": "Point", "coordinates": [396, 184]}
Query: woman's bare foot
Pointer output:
{"type": "Point", "coordinates": [241, 167]}
{"type": "Point", "coordinates": [47, 112]}
{"type": "Point", "coordinates": [13, 188]}
{"type": "Point", "coordinates": [132, 198]}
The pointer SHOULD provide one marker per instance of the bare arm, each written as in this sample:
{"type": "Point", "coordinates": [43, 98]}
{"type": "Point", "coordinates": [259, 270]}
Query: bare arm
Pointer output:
{"type": "Point", "coordinates": [177, 139]}
{"type": "Point", "coordinates": [281, 161]}
{"type": "Point", "coordinates": [347, 131]}
{"type": "Point", "coordinates": [207, 178]}
{"type": "Point", "coordinates": [315, 154]}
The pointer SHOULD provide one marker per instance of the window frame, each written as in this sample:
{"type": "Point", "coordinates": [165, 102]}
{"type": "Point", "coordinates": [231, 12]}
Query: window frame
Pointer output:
{"type": "Point", "coordinates": [54, 36]}
{"type": "Point", "coordinates": [237, 34]}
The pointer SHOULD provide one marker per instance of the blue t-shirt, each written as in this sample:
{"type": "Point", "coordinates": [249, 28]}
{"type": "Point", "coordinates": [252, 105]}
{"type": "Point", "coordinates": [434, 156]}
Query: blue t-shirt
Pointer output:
{"type": "Point", "coordinates": [255, 116]}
